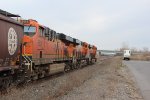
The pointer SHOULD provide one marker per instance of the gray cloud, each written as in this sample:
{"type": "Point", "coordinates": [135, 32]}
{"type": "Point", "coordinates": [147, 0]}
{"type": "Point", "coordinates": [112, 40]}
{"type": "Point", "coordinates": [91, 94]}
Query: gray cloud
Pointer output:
{"type": "Point", "coordinates": [106, 24]}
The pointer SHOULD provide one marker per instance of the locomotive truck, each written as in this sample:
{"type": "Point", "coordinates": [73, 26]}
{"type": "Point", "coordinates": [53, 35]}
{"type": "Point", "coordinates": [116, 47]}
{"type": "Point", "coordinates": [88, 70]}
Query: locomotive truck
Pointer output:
{"type": "Point", "coordinates": [30, 51]}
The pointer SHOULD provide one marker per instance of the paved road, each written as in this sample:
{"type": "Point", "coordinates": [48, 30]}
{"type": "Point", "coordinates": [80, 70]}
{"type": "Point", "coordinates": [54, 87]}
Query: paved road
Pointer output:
{"type": "Point", "coordinates": [141, 71]}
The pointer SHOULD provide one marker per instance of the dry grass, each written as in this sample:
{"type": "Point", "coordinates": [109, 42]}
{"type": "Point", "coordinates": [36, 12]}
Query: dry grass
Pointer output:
{"type": "Point", "coordinates": [77, 78]}
{"type": "Point", "coordinates": [109, 80]}
{"type": "Point", "coordinates": [143, 57]}
{"type": "Point", "coordinates": [74, 80]}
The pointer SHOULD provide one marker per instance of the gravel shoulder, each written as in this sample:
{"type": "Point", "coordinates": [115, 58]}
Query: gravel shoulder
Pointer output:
{"type": "Point", "coordinates": [106, 80]}
{"type": "Point", "coordinates": [111, 81]}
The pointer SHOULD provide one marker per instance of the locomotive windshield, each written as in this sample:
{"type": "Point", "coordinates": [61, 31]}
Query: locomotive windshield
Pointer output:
{"type": "Point", "coordinates": [29, 30]}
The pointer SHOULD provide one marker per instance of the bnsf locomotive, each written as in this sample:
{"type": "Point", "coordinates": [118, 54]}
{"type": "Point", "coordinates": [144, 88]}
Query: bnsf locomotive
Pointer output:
{"type": "Point", "coordinates": [29, 50]}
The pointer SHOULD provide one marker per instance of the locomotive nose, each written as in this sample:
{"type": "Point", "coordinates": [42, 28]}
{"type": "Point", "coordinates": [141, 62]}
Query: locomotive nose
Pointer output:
{"type": "Point", "coordinates": [27, 45]}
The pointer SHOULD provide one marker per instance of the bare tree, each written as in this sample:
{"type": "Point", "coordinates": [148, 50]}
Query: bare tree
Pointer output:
{"type": "Point", "coordinates": [134, 49]}
{"type": "Point", "coordinates": [124, 46]}
{"type": "Point", "coordinates": [145, 49]}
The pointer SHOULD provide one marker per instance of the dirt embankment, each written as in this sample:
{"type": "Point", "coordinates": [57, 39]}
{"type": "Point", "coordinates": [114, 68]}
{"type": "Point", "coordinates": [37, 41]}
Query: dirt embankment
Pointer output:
{"type": "Point", "coordinates": [105, 80]}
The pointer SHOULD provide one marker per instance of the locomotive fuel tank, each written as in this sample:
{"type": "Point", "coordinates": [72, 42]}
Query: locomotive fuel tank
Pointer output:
{"type": "Point", "coordinates": [11, 33]}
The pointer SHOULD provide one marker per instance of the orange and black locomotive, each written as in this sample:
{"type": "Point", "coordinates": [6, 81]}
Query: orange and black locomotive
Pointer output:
{"type": "Point", "coordinates": [30, 50]}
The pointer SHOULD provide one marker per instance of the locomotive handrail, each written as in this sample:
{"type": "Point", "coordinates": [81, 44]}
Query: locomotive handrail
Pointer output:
{"type": "Point", "coordinates": [27, 59]}
{"type": "Point", "coordinates": [30, 61]}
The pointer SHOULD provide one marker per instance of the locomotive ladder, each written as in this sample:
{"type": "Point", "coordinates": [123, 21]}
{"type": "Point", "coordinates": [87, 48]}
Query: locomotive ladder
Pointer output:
{"type": "Point", "coordinates": [29, 62]}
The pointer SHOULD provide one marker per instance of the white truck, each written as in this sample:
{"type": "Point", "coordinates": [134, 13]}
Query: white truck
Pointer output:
{"type": "Point", "coordinates": [126, 54]}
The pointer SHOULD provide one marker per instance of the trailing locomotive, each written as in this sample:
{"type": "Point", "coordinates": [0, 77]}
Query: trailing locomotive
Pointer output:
{"type": "Point", "coordinates": [35, 51]}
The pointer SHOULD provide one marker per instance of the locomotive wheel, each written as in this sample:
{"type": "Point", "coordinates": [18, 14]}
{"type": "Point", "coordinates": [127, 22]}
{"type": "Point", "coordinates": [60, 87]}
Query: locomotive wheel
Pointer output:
{"type": "Point", "coordinates": [67, 68]}
{"type": "Point", "coordinates": [34, 77]}
{"type": "Point", "coordinates": [78, 65]}
{"type": "Point", "coordinates": [72, 67]}
{"type": "Point", "coordinates": [42, 74]}
{"type": "Point", "coordinates": [75, 66]}
{"type": "Point", "coordinates": [5, 82]}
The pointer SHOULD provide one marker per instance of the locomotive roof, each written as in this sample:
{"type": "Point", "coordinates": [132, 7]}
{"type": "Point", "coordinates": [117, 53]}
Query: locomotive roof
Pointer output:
{"type": "Point", "coordinates": [5, 13]}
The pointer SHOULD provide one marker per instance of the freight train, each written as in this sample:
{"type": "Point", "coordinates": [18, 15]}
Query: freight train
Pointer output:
{"type": "Point", "coordinates": [29, 51]}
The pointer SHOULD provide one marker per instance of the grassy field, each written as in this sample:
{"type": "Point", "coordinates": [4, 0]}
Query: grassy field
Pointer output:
{"type": "Point", "coordinates": [143, 57]}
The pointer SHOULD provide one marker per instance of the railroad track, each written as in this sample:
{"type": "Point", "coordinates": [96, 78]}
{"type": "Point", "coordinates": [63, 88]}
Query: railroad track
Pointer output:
{"type": "Point", "coordinates": [38, 81]}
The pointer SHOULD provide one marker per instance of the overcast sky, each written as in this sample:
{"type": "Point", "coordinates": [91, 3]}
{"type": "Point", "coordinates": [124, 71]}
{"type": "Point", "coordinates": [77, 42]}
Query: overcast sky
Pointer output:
{"type": "Point", "coordinates": [105, 23]}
